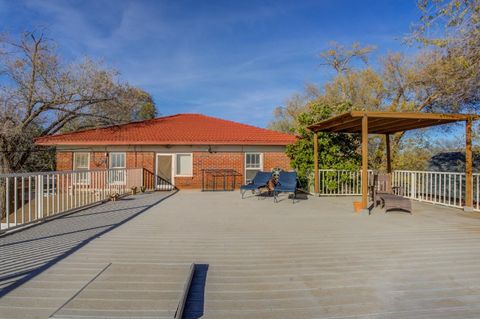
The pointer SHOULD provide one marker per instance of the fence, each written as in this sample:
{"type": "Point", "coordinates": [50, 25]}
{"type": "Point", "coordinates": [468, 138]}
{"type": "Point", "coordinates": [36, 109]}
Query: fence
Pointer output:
{"type": "Point", "coordinates": [444, 188]}
{"type": "Point", "coordinates": [341, 182]}
{"type": "Point", "coordinates": [30, 197]}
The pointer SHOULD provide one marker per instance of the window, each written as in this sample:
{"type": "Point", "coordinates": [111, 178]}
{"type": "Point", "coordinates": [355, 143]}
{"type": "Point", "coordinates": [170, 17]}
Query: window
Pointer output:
{"type": "Point", "coordinates": [81, 162]}
{"type": "Point", "coordinates": [184, 165]}
{"type": "Point", "coordinates": [253, 164]}
{"type": "Point", "coordinates": [117, 168]}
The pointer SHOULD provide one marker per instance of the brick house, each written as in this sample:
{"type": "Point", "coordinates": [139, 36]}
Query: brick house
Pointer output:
{"type": "Point", "coordinates": [177, 148]}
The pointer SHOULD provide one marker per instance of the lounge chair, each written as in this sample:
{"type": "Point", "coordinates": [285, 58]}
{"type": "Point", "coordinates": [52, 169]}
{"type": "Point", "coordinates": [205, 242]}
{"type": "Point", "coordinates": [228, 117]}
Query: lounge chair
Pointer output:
{"type": "Point", "coordinates": [385, 196]}
{"type": "Point", "coordinates": [287, 183]}
{"type": "Point", "coordinates": [260, 180]}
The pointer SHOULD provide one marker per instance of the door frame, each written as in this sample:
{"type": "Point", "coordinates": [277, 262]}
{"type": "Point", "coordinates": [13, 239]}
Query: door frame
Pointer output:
{"type": "Point", "coordinates": [172, 156]}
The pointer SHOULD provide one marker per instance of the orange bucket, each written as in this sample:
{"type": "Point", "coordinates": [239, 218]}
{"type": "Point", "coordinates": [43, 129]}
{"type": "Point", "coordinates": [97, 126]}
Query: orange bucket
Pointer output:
{"type": "Point", "coordinates": [357, 207]}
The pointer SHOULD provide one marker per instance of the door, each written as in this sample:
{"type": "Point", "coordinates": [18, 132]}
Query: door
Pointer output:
{"type": "Point", "coordinates": [164, 172]}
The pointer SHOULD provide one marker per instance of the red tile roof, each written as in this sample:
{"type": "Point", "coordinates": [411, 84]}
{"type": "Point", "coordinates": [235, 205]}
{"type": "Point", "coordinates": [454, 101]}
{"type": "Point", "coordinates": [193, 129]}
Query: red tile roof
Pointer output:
{"type": "Point", "coordinates": [180, 129]}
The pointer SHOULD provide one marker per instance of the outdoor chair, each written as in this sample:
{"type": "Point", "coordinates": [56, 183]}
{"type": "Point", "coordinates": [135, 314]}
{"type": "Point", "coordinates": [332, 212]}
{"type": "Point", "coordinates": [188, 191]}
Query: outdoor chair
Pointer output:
{"type": "Point", "coordinates": [287, 183]}
{"type": "Point", "coordinates": [390, 198]}
{"type": "Point", "coordinates": [260, 180]}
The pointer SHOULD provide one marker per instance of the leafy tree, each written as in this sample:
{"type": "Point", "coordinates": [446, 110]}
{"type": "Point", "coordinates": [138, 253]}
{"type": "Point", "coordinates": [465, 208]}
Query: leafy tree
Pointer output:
{"type": "Point", "coordinates": [147, 109]}
{"type": "Point", "coordinates": [339, 151]}
{"type": "Point", "coordinates": [443, 76]}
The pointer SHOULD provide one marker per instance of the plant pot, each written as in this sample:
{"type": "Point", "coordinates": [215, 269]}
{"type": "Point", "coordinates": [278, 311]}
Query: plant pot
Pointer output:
{"type": "Point", "coordinates": [357, 207]}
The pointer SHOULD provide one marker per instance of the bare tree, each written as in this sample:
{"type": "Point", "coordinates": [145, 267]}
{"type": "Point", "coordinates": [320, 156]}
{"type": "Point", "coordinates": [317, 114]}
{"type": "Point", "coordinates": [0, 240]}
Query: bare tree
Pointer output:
{"type": "Point", "coordinates": [340, 58]}
{"type": "Point", "coordinates": [40, 95]}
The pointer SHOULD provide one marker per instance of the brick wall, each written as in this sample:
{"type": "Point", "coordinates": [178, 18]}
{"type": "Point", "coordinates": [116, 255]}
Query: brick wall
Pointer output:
{"type": "Point", "coordinates": [206, 160]}
{"type": "Point", "coordinates": [64, 161]}
{"type": "Point", "coordinates": [201, 160]}
{"type": "Point", "coordinates": [230, 160]}
{"type": "Point", "coordinates": [274, 160]}
{"type": "Point", "coordinates": [141, 159]}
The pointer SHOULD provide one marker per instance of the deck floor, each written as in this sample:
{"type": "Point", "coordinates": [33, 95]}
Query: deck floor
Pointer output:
{"type": "Point", "coordinates": [311, 259]}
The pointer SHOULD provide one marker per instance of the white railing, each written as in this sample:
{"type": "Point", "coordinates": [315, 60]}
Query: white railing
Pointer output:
{"type": "Point", "coordinates": [31, 197]}
{"type": "Point", "coordinates": [340, 182]}
{"type": "Point", "coordinates": [444, 188]}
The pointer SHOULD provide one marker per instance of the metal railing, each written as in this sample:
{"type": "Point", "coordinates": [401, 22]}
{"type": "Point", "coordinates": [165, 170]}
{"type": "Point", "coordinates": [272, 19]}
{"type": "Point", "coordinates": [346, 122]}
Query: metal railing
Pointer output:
{"type": "Point", "coordinates": [30, 197]}
{"type": "Point", "coordinates": [444, 188]}
{"type": "Point", "coordinates": [340, 182]}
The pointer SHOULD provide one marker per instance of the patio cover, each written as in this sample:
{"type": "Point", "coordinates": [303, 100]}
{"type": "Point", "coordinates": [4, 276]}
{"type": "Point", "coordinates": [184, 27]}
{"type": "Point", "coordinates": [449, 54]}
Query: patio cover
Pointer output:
{"type": "Point", "coordinates": [367, 122]}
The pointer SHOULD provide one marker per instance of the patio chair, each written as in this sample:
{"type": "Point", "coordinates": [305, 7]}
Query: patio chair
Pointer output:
{"type": "Point", "coordinates": [260, 180]}
{"type": "Point", "coordinates": [287, 183]}
{"type": "Point", "coordinates": [389, 197]}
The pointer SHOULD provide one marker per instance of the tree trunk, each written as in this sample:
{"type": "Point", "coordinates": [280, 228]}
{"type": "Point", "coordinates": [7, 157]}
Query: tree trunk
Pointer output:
{"type": "Point", "coordinates": [6, 169]}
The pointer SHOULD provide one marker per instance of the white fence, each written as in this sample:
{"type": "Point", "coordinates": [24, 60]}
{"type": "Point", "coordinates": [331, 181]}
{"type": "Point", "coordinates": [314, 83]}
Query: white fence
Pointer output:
{"type": "Point", "coordinates": [340, 182]}
{"type": "Point", "coordinates": [31, 197]}
{"type": "Point", "coordinates": [444, 188]}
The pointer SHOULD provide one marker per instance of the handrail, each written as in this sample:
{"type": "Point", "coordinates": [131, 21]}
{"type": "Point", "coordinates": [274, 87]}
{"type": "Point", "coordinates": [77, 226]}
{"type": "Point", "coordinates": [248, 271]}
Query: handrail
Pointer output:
{"type": "Point", "coordinates": [443, 188]}
{"type": "Point", "coordinates": [26, 198]}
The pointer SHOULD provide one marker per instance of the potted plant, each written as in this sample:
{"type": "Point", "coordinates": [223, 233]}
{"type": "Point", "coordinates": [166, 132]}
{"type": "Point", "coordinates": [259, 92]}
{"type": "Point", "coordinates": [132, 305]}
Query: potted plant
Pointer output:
{"type": "Point", "coordinates": [143, 189]}
{"type": "Point", "coordinates": [134, 190]}
{"type": "Point", "coordinates": [114, 197]}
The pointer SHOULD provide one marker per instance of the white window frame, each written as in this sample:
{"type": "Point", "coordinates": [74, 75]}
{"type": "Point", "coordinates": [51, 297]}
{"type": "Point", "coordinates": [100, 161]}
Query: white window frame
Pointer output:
{"type": "Point", "coordinates": [252, 169]}
{"type": "Point", "coordinates": [124, 180]}
{"type": "Point", "coordinates": [76, 179]}
{"type": "Point", "coordinates": [191, 165]}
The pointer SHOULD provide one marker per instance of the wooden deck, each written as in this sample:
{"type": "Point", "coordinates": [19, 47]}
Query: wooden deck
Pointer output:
{"type": "Point", "coordinates": [311, 259]}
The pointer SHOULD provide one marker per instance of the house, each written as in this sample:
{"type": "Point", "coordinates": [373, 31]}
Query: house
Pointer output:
{"type": "Point", "coordinates": [177, 148]}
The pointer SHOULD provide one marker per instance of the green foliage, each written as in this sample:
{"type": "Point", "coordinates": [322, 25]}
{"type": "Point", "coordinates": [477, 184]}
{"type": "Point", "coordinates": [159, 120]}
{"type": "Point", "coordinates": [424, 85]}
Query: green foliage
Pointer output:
{"type": "Point", "coordinates": [338, 151]}
{"type": "Point", "coordinates": [147, 111]}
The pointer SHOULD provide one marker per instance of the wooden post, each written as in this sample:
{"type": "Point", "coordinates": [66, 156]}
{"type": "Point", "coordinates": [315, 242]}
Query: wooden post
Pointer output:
{"type": "Point", "coordinates": [468, 166]}
{"type": "Point", "coordinates": [315, 162]}
{"type": "Point", "coordinates": [389, 156]}
{"type": "Point", "coordinates": [364, 161]}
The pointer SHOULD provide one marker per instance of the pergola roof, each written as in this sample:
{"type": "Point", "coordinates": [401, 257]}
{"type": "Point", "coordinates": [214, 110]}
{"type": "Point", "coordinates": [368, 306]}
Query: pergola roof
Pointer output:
{"type": "Point", "coordinates": [386, 122]}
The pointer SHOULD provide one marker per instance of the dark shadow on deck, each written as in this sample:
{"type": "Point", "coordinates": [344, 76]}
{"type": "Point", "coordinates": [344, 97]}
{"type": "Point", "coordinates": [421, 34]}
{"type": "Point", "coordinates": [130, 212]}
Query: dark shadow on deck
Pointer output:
{"type": "Point", "coordinates": [195, 304]}
{"type": "Point", "coordinates": [27, 253]}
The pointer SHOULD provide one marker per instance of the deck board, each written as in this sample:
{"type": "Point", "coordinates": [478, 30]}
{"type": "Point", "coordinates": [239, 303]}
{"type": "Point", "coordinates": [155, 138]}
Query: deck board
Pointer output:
{"type": "Point", "coordinates": [311, 259]}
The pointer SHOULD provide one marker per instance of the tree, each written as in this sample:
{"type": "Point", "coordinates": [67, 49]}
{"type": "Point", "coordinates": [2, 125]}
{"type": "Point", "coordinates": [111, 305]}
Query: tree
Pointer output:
{"type": "Point", "coordinates": [129, 104]}
{"type": "Point", "coordinates": [40, 95]}
{"type": "Point", "coordinates": [450, 29]}
{"type": "Point", "coordinates": [360, 88]}
{"type": "Point", "coordinates": [338, 151]}
{"type": "Point", "coordinates": [340, 58]}
{"type": "Point", "coordinates": [147, 109]}
{"type": "Point", "coordinates": [285, 117]}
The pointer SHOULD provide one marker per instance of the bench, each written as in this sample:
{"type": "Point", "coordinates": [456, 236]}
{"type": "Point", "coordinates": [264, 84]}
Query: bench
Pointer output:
{"type": "Point", "coordinates": [394, 202]}
{"type": "Point", "coordinates": [383, 194]}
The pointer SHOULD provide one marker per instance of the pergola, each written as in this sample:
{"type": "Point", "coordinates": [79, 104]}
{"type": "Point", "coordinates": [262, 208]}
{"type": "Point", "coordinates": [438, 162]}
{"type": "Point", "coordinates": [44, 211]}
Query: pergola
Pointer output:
{"type": "Point", "coordinates": [387, 123]}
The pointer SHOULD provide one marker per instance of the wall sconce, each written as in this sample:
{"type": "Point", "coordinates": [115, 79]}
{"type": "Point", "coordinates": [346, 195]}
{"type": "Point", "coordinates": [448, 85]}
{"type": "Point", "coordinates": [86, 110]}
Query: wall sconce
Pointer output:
{"type": "Point", "coordinates": [210, 150]}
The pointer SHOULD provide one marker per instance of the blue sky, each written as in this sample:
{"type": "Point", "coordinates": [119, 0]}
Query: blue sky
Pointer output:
{"type": "Point", "coordinates": [232, 59]}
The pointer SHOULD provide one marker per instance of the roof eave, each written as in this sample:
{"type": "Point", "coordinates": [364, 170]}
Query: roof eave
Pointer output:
{"type": "Point", "coordinates": [116, 143]}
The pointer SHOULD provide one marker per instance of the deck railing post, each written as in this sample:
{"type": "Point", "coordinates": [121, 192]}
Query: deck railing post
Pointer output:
{"type": "Point", "coordinates": [413, 183]}
{"type": "Point", "coordinates": [39, 204]}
